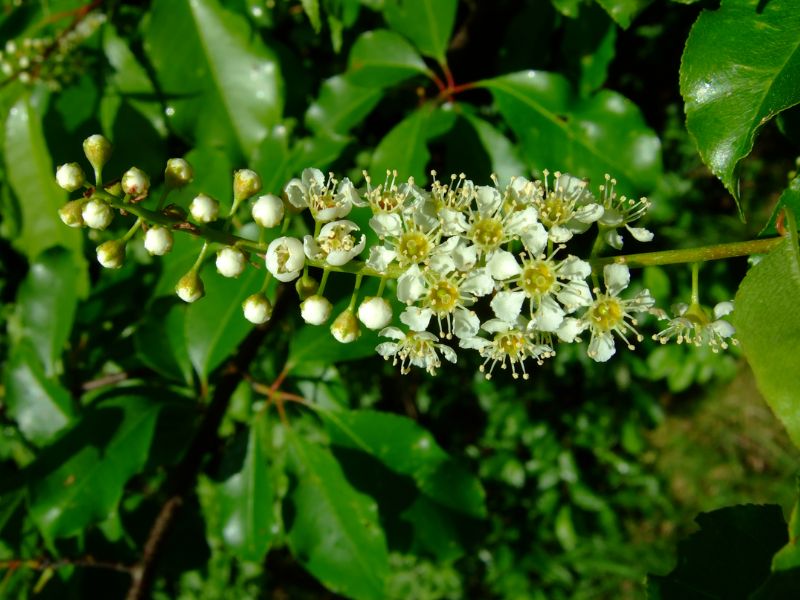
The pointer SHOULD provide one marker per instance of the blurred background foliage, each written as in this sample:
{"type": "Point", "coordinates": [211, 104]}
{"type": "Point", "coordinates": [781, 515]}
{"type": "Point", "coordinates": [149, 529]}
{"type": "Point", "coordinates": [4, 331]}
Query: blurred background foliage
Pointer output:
{"type": "Point", "coordinates": [572, 485]}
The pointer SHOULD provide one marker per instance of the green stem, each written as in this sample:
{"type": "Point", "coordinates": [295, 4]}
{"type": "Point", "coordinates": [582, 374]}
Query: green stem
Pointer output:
{"type": "Point", "coordinates": [695, 283]}
{"type": "Point", "coordinates": [264, 285]}
{"type": "Point", "coordinates": [381, 286]}
{"type": "Point", "coordinates": [200, 257]}
{"type": "Point", "coordinates": [325, 272]}
{"type": "Point", "coordinates": [132, 230]}
{"type": "Point", "coordinates": [354, 297]}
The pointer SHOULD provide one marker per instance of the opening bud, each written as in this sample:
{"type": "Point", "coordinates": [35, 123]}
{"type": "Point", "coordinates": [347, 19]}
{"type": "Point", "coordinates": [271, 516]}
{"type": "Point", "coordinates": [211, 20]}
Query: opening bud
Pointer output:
{"type": "Point", "coordinates": [285, 258]}
{"type": "Point", "coordinates": [230, 262]}
{"type": "Point", "coordinates": [315, 310]}
{"type": "Point", "coordinates": [111, 254]}
{"type": "Point", "coordinates": [158, 240]}
{"type": "Point", "coordinates": [72, 213]}
{"type": "Point", "coordinates": [257, 309]}
{"type": "Point", "coordinates": [246, 183]}
{"type": "Point", "coordinates": [268, 210]}
{"type": "Point", "coordinates": [190, 287]}
{"type": "Point", "coordinates": [135, 182]}
{"type": "Point", "coordinates": [345, 327]}
{"type": "Point", "coordinates": [97, 214]}
{"type": "Point", "coordinates": [70, 176]}
{"type": "Point", "coordinates": [204, 209]}
{"type": "Point", "coordinates": [178, 173]}
{"type": "Point", "coordinates": [98, 150]}
{"type": "Point", "coordinates": [375, 313]}
{"type": "Point", "coordinates": [306, 286]}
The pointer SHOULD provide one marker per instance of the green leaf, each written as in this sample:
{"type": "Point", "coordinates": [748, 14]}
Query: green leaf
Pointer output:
{"type": "Point", "coordinates": [418, 486]}
{"type": "Point", "coordinates": [341, 105]}
{"type": "Point", "coordinates": [788, 557]}
{"type": "Point", "coordinates": [31, 173]}
{"type": "Point", "coordinates": [311, 8]}
{"type": "Point", "coordinates": [222, 84]}
{"type": "Point", "coordinates": [623, 11]}
{"type": "Point", "coordinates": [790, 199]}
{"type": "Point", "coordinates": [332, 529]}
{"type": "Point", "coordinates": [160, 339]}
{"type": "Point", "coordinates": [272, 160]}
{"type": "Point", "coordinates": [568, 8]}
{"type": "Point", "coordinates": [589, 48]}
{"type": "Point", "coordinates": [244, 501]}
{"type": "Point", "coordinates": [215, 324]}
{"type": "Point", "coordinates": [405, 149]}
{"type": "Point", "coordinates": [585, 137]}
{"type": "Point", "coordinates": [503, 155]}
{"type": "Point", "coordinates": [46, 305]}
{"type": "Point", "coordinates": [728, 558]}
{"type": "Point", "coordinates": [382, 58]}
{"type": "Point", "coordinates": [427, 23]}
{"type": "Point", "coordinates": [79, 480]}
{"type": "Point", "coordinates": [768, 327]}
{"type": "Point", "coordinates": [40, 406]}
{"type": "Point", "coordinates": [740, 68]}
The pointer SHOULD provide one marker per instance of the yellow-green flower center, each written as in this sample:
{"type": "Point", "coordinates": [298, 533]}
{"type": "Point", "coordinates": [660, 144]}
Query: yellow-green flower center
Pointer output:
{"type": "Point", "coordinates": [537, 279]}
{"type": "Point", "coordinates": [511, 343]}
{"type": "Point", "coordinates": [606, 314]}
{"type": "Point", "coordinates": [412, 248]}
{"type": "Point", "coordinates": [443, 297]}
{"type": "Point", "coordinates": [487, 232]}
{"type": "Point", "coordinates": [554, 210]}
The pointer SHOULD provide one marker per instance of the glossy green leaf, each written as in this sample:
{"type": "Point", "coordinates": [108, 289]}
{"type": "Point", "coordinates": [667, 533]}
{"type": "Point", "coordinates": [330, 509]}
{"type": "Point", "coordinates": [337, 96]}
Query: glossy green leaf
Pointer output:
{"type": "Point", "coordinates": [740, 68]}
{"type": "Point", "coordinates": [40, 406]}
{"type": "Point", "coordinates": [222, 85]}
{"type": "Point", "coordinates": [728, 558]}
{"type": "Point", "coordinates": [419, 487]}
{"type": "Point", "coordinates": [589, 47]}
{"type": "Point", "coordinates": [341, 105]}
{"type": "Point", "coordinates": [46, 304]}
{"type": "Point", "coordinates": [273, 160]}
{"type": "Point", "coordinates": [382, 58]}
{"type": "Point", "coordinates": [31, 173]}
{"type": "Point", "coordinates": [405, 147]}
{"type": "Point", "coordinates": [79, 480]}
{"type": "Point", "coordinates": [623, 11]}
{"type": "Point", "coordinates": [160, 339]}
{"type": "Point", "coordinates": [585, 137]}
{"type": "Point", "coordinates": [332, 529]}
{"type": "Point", "coordinates": [768, 327]}
{"type": "Point", "coordinates": [427, 23]}
{"type": "Point", "coordinates": [215, 324]}
{"type": "Point", "coordinates": [244, 501]}
{"type": "Point", "coordinates": [503, 154]}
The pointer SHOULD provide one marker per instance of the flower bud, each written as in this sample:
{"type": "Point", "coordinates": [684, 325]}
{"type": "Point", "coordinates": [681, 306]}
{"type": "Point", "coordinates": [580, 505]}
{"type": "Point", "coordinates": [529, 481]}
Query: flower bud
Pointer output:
{"type": "Point", "coordinates": [97, 214]}
{"type": "Point", "coordinates": [257, 309]}
{"type": "Point", "coordinates": [285, 258]}
{"type": "Point", "coordinates": [315, 310]}
{"type": "Point", "coordinates": [246, 183]}
{"type": "Point", "coordinates": [97, 150]}
{"type": "Point", "coordinates": [268, 210]}
{"type": "Point", "coordinates": [204, 208]}
{"type": "Point", "coordinates": [306, 286]}
{"type": "Point", "coordinates": [345, 327]}
{"type": "Point", "coordinates": [72, 213]}
{"type": "Point", "coordinates": [135, 182]}
{"type": "Point", "coordinates": [190, 287]}
{"type": "Point", "coordinates": [70, 176]}
{"type": "Point", "coordinates": [375, 313]}
{"type": "Point", "coordinates": [111, 254]}
{"type": "Point", "coordinates": [230, 262]}
{"type": "Point", "coordinates": [178, 173]}
{"type": "Point", "coordinates": [158, 240]}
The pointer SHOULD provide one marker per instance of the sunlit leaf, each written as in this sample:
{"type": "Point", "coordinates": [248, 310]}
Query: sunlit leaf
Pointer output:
{"type": "Point", "coordinates": [427, 23]}
{"type": "Point", "coordinates": [341, 105]}
{"type": "Point", "coordinates": [383, 58]}
{"type": "Point", "coordinates": [623, 11]}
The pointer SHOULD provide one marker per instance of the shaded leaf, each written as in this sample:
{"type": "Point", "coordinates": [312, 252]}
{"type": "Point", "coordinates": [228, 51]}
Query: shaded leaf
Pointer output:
{"type": "Point", "coordinates": [768, 327]}
{"type": "Point", "coordinates": [740, 68]}
{"type": "Point", "coordinates": [788, 557]}
{"type": "Point", "coordinates": [790, 199]}
{"type": "Point", "coordinates": [160, 339]}
{"type": "Point", "coordinates": [383, 58]}
{"type": "Point", "coordinates": [311, 8]}
{"type": "Point", "coordinates": [589, 48]}
{"type": "Point", "coordinates": [427, 23]}
{"type": "Point", "coordinates": [332, 529]}
{"type": "Point", "coordinates": [503, 155]}
{"type": "Point", "coordinates": [585, 137]}
{"type": "Point", "coordinates": [623, 11]}
{"type": "Point", "coordinates": [341, 104]}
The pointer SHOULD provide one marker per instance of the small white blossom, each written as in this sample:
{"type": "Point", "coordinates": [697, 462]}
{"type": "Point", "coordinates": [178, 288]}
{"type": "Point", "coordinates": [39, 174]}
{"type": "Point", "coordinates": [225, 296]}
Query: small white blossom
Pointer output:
{"type": "Point", "coordinates": [204, 209]}
{"type": "Point", "coordinates": [620, 211]}
{"type": "Point", "coordinates": [566, 208]}
{"type": "Point", "coordinates": [417, 348]}
{"type": "Point", "coordinates": [70, 176]}
{"type": "Point", "coordinates": [230, 262]}
{"type": "Point", "coordinates": [335, 244]}
{"type": "Point", "coordinates": [327, 199]}
{"type": "Point", "coordinates": [257, 309]}
{"type": "Point", "coordinates": [97, 214]}
{"type": "Point", "coordinates": [691, 324]}
{"type": "Point", "coordinates": [315, 310]}
{"type": "Point", "coordinates": [285, 258]}
{"type": "Point", "coordinates": [375, 313]}
{"type": "Point", "coordinates": [158, 240]}
{"type": "Point", "coordinates": [510, 345]}
{"type": "Point", "coordinates": [135, 182]}
{"type": "Point", "coordinates": [268, 211]}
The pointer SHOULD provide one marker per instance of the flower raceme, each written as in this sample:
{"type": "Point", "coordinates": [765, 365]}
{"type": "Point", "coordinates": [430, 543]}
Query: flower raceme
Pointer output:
{"type": "Point", "coordinates": [475, 267]}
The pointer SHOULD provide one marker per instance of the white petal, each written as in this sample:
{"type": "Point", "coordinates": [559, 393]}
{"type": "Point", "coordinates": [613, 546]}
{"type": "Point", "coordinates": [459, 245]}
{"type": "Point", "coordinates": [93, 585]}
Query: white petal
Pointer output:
{"type": "Point", "coordinates": [386, 349]}
{"type": "Point", "coordinates": [613, 238]}
{"type": "Point", "coordinates": [722, 309]}
{"type": "Point", "coordinates": [549, 315]}
{"type": "Point", "coordinates": [508, 305]}
{"type": "Point", "coordinates": [496, 326]}
{"type": "Point", "coordinates": [453, 221]}
{"type": "Point", "coordinates": [535, 239]}
{"type": "Point", "coordinates": [521, 221]}
{"type": "Point", "coordinates": [464, 256]}
{"type": "Point", "coordinates": [416, 318]}
{"type": "Point", "coordinates": [410, 285]}
{"type": "Point", "coordinates": [339, 257]}
{"type": "Point", "coordinates": [560, 234]}
{"type": "Point", "coordinates": [387, 224]}
{"type": "Point", "coordinates": [573, 267]}
{"type": "Point", "coordinates": [448, 353]}
{"type": "Point", "coordinates": [570, 329]}
{"type": "Point", "coordinates": [601, 347]}
{"type": "Point", "coordinates": [503, 265]}
{"type": "Point", "coordinates": [311, 248]}
{"type": "Point", "coordinates": [478, 283]}
{"type": "Point", "coordinates": [442, 263]}
{"type": "Point", "coordinates": [641, 234]}
{"type": "Point", "coordinates": [380, 258]}
{"type": "Point", "coordinates": [722, 328]}
{"type": "Point", "coordinates": [473, 343]}
{"type": "Point", "coordinates": [589, 213]}
{"type": "Point", "coordinates": [296, 192]}
{"type": "Point", "coordinates": [465, 323]}
{"type": "Point", "coordinates": [575, 294]}
{"type": "Point", "coordinates": [488, 199]}
{"type": "Point", "coordinates": [617, 278]}
{"type": "Point", "coordinates": [393, 333]}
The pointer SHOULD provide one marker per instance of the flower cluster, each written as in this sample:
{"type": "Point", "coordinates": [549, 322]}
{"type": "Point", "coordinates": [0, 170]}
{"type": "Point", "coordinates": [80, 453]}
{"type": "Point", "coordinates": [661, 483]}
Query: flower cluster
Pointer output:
{"type": "Point", "coordinates": [476, 267]}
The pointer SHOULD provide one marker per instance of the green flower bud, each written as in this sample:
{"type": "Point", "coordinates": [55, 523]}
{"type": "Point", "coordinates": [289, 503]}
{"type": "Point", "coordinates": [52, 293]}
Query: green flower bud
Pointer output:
{"type": "Point", "coordinates": [72, 213]}
{"type": "Point", "coordinates": [178, 173]}
{"type": "Point", "coordinates": [306, 286]}
{"type": "Point", "coordinates": [70, 176]}
{"type": "Point", "coordinates": [257, 309]}
{"type": "Point", "coordinates": [190, 287]}
{"type": "Point", "coordinates": [345, 327]}
{"type": "Point", "coordinates": [246, 183]}
{"type": "Point", "coordinates": [111, 254]}
{"type": "Point", "coordinates": [98, 150]}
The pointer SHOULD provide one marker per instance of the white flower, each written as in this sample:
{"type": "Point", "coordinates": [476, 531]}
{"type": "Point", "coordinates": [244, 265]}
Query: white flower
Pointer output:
{"type": "Point", "coordinates": [230, 262]}
{"type": "Point", "coordinates": [496, 222]}
{"type": "Point", "coordinates": [285, 258]}
{"type": "Point", "coordinates": [610, 314]}
{"type": "Point", "coordinates": [345, 327]}
{"type": "Point", "coordinates": [268, 210]}
{"type": "Point", "coordinates": [204, 209]}
{"type": "Point", "coordinates": [257, 309]}
{"type": "Point", "coordinates": [326, 199]}
{"type": "Point", "coordinates": [135, 182]}
{"type": "Point", "coordinates": [566, 208]}
{"type": "Point", "coordinates": [510, 345]}
{"type": "Point", "coordinates": [111, 254]}
{"type": "Point", "coordinates": [388, 197]}
{"type": "Point", "coordinates": [70, 176]}
{"type": "Point", "coordinates": [619, 211]}
{"type": "Point", "coordinates": [315, 309]}
{"type": "Point", "coordinates": [380, 258]}
{"type": "Point", "coordinates": [158, 240]}
{"type": "Point", "coordinates": [375, 313]}
{"type": "Point", "coordinates": [97, 214]}
{"type": "Point", "coordinates": [691, 324]}
{"type": "Point", "coordinates": [417, 348]}
{"type": "Point", "coordinates": [335, 243]}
